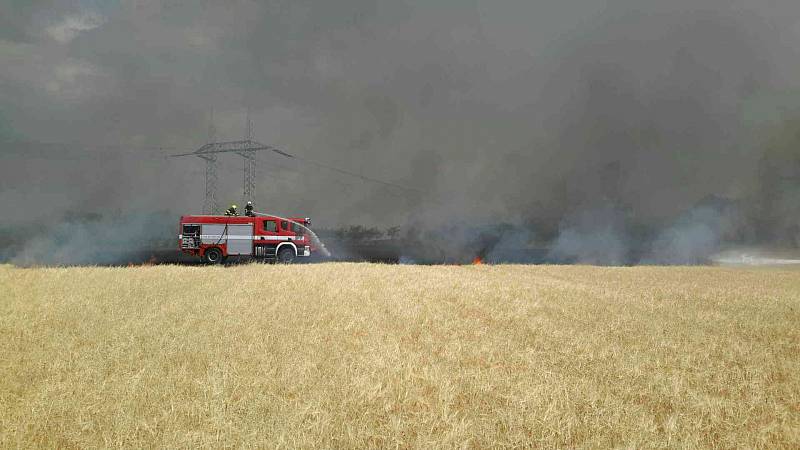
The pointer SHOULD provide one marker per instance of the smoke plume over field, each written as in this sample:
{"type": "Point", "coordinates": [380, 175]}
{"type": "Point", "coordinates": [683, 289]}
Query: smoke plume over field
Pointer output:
{"type": "Point", "coordinates": [610, 132]}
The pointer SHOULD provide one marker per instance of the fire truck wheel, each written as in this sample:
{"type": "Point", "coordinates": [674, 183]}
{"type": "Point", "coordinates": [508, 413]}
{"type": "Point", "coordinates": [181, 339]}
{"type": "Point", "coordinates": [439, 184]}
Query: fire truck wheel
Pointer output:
{"type": "Point", "coordinates": [213, 256]}
{"type": "Point", "coordinates": [286, 255]}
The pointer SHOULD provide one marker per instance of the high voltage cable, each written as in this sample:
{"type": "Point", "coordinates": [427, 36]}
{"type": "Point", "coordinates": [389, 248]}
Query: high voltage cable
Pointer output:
{"type": "Point", "coordinates": [250, 146]}
{"type": "Point", "coordinates": [48, 153]}
{"type": "Point", "coordinates": [343, 171]}
{"type": "Point", "coordinates": [79, 145]}
{"type": "Point", "coordinates": [339, 182]}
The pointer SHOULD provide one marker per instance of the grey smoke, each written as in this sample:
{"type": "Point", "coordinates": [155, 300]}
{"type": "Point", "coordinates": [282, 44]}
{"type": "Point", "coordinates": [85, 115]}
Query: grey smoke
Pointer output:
{"type": "Point", "coordinates": [511, 246]}
{"type": "Point", "coordinates": [114, 239]}
{"type": "Point", "coordinates": [692, 239]}
{"type": "Point", "coordinates": [529, 113]}
{"type": "Point", "coordinates": [594, 235]}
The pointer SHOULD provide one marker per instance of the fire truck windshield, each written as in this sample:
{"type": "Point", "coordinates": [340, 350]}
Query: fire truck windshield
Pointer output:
{"type": "Point", "coordinates": [297, 228]}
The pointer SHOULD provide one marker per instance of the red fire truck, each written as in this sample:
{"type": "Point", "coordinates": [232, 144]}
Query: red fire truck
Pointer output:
{"type": "Point", "coordinates": [270, 238]}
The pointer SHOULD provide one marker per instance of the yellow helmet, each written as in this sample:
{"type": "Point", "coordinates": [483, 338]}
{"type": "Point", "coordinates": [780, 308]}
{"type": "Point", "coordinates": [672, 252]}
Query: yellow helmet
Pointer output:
{"type": "Point", "coordinates": [233, 206]}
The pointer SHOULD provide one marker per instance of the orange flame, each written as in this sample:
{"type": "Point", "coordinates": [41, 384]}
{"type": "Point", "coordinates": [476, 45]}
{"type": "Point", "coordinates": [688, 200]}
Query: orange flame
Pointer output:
{"type": "Point", "coordinates": [477, 261]}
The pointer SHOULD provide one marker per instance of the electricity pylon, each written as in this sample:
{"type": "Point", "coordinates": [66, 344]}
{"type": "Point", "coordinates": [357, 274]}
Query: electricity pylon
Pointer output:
{"type": "Point", "coordinates": [246, 148]}
{"type": "Point", "coordinates": [249, 168]}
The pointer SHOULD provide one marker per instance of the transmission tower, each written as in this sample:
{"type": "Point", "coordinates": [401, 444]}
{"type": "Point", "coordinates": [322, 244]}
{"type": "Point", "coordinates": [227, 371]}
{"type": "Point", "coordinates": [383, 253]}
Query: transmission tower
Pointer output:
{"type": "Point", "coordinates": [249, 181]}
{"type": "Point", "coordinates": [210, 203]}
{"type": "Point", "coordinates": [246, 148]}
{"type": "Point", "coordinates": [249, 168]}
{"type": "Point", "coordinates": [209, 152]}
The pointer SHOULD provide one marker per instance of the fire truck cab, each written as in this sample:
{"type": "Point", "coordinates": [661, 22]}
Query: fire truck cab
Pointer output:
{"type": "Point", "coordinates": [214, 238]}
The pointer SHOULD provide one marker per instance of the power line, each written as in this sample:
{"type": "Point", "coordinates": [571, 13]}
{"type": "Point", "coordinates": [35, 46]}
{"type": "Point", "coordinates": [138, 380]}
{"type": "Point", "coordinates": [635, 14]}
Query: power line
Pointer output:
{"type": "Point", "coordinates": [245, 148]}
{"type": "Point", "coordinates": [47, 146]}
{"type": "Point", "coordinates": [341, 183]}
{"type": "Point", "coordinates": [352, 174]}
{"type": "Point", "coordinates": [339, 170]}
{"type": "Point", "coordinates": [67, 151]}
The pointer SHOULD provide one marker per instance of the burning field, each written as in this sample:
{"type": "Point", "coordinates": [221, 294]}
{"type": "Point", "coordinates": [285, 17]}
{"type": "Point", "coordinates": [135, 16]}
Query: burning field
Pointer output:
{"type": "Point", "coordinates": [367, 355]}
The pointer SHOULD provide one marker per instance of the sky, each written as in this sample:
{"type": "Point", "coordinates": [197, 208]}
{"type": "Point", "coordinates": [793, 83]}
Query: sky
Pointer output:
{"type": "Point", "coordinates": [492, 111]}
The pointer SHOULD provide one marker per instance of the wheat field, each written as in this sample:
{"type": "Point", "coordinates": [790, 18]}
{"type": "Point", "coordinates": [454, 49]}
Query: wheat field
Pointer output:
{"type": "Point", "coordinates": [380, 356]}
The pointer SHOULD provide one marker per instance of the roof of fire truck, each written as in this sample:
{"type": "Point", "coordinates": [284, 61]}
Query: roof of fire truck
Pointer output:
{"type": "Point", "coordinates": [214, 218]}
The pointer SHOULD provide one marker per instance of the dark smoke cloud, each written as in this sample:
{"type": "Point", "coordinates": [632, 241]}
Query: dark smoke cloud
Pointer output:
{"type": "Point", "coordinates": [596, 235]}
{"type": "Point", "coordinates": [114, 239]}
{"type": "Point", "coordinates": [578, 121]}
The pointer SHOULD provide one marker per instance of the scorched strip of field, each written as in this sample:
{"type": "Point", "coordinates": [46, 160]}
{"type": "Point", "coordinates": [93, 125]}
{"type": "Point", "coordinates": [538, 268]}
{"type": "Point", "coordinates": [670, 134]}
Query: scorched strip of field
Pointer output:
{"type": "Point", "coordinates": [360, 355]}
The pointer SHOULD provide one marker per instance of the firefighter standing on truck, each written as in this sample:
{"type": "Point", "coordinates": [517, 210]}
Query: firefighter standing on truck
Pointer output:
{"type": "Point", "coordinates": [248, 209]}
{"type": "Point", "coordinates": [231, 211]}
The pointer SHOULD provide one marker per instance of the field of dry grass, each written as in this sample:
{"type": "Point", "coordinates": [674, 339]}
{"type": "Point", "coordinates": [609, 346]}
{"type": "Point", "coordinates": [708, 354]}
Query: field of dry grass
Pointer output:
{"type": "Point", "coordinates": [360, 355]}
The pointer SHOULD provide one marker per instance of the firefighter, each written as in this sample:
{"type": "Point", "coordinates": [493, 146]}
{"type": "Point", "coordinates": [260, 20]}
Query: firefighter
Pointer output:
{"type": "Point", "coordinates": [248, 210]}
{"type": "Point", "coordinates": [231, 211]}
